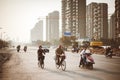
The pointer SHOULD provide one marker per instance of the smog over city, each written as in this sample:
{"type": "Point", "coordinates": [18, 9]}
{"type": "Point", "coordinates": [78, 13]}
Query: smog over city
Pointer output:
{"type": "Point", "coordinates": [59, 39]}
{"type": "Point", "coordinates": [18, 17]}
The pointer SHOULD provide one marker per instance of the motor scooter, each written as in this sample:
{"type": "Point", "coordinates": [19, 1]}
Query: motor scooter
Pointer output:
{"type": "Point", "coordinates": [18, 48]}
{"type": "Point", "coordinates": [109, 55]}
{"type": "Point", "coordinates": [25, 49]}
{"type": "Point", "coordinates": [88, 62]}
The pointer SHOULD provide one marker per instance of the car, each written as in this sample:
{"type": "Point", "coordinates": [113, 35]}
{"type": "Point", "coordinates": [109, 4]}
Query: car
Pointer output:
{"type": "Point", "coordinates": [75, 50]}
{"type": "Point", "coordinates": [45, 49]}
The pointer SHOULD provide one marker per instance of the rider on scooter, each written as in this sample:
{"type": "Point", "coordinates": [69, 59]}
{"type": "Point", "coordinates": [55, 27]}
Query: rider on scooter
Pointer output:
{"type": "Point", "coordinates": [25, 48]}
{"type": "Point", "coordinates": [85, 56]}
{"type": "Point", "coordinates": [18, 48]}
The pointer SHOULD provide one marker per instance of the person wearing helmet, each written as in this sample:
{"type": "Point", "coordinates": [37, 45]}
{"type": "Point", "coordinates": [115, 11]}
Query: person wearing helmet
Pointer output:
{"type": "Point", "coordinates": [59, 54]}
{"type": "Point", "coordinates": [41, 54]}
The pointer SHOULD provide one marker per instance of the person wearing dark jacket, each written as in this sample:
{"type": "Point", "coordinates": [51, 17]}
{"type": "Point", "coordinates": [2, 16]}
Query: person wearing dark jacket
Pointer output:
{"type": "Point", "coordinates": [41, 53]}
{"type": "Point", "coordinates": [60, 54]}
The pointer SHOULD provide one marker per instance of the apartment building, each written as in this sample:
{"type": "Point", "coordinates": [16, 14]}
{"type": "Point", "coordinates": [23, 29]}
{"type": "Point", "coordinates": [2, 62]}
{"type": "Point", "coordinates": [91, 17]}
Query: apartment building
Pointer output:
{"type": "Point", "coordinates": [97, 21]}
{"type": "Point", "coordinates": [37, 31]}
{"type": "Point", "coordinates": [117, 20]}
{"type": "Point", "coordinates": [74, 17]}
{"type": "Point", "coordinates": [52, 26]}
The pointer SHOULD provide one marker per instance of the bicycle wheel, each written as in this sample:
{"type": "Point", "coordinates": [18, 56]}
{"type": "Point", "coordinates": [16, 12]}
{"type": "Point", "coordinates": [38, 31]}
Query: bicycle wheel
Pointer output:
{"type": "Point", "coordinates": [38, 63]}
{"type": "Point", "coordinates": [41, 64]}
{"type": "Point", "coordinates": [63, 65]}
{"type": "Point", "coordinates": [57, 65]}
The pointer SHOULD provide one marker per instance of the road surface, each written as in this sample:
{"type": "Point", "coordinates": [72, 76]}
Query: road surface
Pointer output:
{"type": "Point", "coordinates": [23, 66]}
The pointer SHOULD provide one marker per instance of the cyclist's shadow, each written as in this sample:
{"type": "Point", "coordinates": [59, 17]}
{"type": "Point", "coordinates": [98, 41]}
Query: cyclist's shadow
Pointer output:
{"type": "Point", "coordinates": [71, 74]}
{"type": "Point", "coordinates": [59, 72]}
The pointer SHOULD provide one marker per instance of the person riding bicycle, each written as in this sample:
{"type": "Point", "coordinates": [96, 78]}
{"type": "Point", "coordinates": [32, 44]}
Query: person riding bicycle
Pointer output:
{"type": "Point", "coordinates": [60, 55]}
{"type": "Point", "coordinates": [41, 54]}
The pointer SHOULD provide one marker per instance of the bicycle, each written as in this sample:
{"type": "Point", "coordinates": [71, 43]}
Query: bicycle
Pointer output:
{"type": "Point", "coordinates": [41, 63]}
{"type": "Point", "coordinates": [62, 65]}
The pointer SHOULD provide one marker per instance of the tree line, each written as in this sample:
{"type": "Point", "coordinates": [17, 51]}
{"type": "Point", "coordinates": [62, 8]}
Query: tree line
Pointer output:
{"type": "Point", "coordinates": [3, 44]}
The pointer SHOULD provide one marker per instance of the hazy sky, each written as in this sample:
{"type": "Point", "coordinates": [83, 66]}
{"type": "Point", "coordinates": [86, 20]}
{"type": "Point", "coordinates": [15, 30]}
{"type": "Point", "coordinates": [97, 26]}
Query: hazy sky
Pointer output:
{"type": "Point", "coordinates": [18, 17]}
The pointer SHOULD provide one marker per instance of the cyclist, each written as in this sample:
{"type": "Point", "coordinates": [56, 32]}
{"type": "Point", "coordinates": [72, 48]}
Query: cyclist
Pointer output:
{"type": "Point", "coordinates": [60, 55]}
{"type": "Point", "coordinates": [41, 54]}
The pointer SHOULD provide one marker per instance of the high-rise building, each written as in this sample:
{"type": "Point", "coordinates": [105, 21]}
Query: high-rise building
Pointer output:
{"type": "Point", "coordinates": [47, 30]}
{"type": "Point", "coordinates": [97, 21]}
{"type": "Point", "coordinates": [111, 29]}
{"type": "Point", "coordinates": [74, 17]}
{"type": "Point", "coordinates": [117, 20]}
{"type": "Point", "coordinates": [37, 31]}
{"type": "Point", "coordinates": [52, 26]}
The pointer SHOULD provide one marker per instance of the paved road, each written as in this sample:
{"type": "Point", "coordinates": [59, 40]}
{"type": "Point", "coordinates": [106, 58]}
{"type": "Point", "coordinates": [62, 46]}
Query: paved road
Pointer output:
{"type": "Point", "coordinates": [23, 66]}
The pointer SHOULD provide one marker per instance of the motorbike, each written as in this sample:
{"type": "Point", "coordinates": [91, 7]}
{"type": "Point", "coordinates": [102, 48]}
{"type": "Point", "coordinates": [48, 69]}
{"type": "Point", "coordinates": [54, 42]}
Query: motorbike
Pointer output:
{"type": "Point", "coordinates": [25, 49]}
{"type": "Point", "coordinates": [18, 48]}
{"type": "Point", "coordinates": [109, 55]}
{"type": "Point", "coordinates": [87, 62]}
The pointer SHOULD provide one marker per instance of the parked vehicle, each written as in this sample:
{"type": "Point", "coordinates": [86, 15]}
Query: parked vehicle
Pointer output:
{"type": "Point", "coordinates": [75, 50]}
{"type": "Point", "coordinates": [46, 49]}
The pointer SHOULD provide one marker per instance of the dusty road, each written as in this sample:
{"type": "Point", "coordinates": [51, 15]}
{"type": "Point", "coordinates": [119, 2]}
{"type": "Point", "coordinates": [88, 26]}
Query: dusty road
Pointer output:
{"type": "Point", "coordinates": [23, 66]}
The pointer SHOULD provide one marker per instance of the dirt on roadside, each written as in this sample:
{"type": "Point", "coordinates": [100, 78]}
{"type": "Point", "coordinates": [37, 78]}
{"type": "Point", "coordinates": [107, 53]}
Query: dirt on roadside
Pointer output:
{"type": "Point", "coordinates": [5, 55]}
